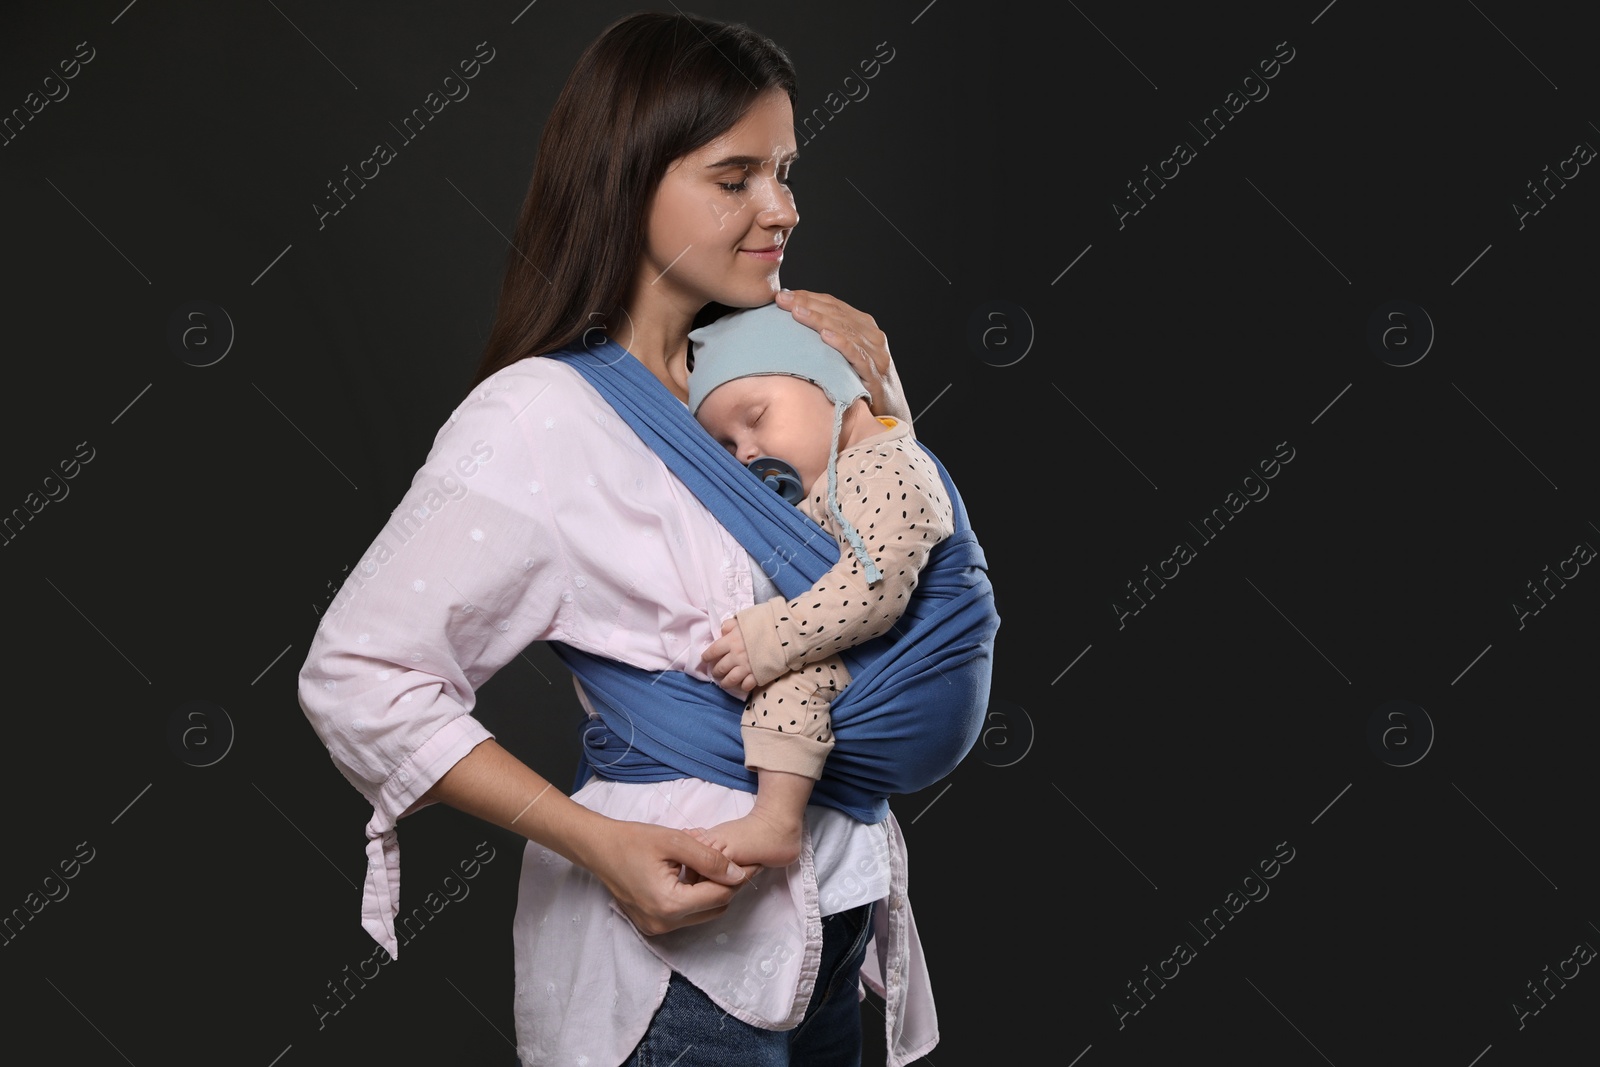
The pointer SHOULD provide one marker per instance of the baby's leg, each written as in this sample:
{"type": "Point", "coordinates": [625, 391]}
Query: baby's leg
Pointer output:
{"type": "Point", "coordinates": [788, 733]}
{"type": "Point", "coordinates": [770, 834]}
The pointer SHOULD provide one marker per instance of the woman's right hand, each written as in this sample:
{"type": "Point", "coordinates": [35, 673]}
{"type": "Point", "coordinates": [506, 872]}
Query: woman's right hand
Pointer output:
{"type": "Point", "coordinates": [639, 864]}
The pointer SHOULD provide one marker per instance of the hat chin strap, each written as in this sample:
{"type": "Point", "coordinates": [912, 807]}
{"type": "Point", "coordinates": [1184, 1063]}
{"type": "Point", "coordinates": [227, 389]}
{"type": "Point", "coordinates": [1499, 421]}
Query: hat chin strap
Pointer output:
{"type": "Point", "coordinates": [850, 532]}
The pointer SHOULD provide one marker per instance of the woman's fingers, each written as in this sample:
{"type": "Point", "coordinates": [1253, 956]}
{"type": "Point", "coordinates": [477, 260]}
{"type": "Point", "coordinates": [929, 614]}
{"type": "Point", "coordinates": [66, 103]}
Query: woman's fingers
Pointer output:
{"type": "Point", "coordinates": [646, 885]}
{"type": "Point", "coordinates": [711, 864]}
{"type": "Point", "coordinates": [855, 335]}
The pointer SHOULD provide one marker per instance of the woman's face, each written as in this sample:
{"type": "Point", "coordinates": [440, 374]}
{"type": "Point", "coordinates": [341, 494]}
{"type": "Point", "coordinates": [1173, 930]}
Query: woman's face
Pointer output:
{"type": "Point", "coordinates": [721, 216]}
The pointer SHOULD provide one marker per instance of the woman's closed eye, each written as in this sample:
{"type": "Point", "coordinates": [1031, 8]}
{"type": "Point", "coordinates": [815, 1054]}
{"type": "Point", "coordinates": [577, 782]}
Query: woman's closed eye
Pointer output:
{"type": "Point", "coordinates": [781, 175]}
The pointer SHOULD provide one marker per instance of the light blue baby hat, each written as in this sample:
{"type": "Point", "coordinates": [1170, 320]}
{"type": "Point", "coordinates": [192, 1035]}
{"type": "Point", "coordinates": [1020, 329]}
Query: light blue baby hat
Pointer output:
{"type": "Point", "coordinates": [768, 340]}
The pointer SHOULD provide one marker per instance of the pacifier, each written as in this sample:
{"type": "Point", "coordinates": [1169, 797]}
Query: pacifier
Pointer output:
{"type": "Point", "coordinates": [779, 477]}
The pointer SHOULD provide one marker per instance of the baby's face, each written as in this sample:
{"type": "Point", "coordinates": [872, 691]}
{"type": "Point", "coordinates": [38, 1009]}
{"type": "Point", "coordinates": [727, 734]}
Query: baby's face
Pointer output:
{"type": "Point", "coordinates": [775, 415]}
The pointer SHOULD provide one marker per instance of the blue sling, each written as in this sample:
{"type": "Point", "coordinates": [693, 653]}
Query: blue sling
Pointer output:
{"type": "Point", "coordinates": [917, 696]}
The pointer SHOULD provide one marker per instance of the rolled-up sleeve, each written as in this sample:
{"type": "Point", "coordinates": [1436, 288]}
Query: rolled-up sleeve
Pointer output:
{"type": "Point", "coordinates": [464, 575]}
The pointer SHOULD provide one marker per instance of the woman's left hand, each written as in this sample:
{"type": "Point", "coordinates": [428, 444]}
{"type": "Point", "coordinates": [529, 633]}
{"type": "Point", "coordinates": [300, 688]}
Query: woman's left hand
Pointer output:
{"type": "Point", "coordinates": [856, 336]}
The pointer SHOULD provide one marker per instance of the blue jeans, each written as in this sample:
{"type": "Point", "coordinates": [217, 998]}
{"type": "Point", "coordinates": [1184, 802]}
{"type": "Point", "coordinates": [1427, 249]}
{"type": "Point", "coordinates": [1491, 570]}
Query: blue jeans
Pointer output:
{"type": "Point", "coordinates": [689, 1030]}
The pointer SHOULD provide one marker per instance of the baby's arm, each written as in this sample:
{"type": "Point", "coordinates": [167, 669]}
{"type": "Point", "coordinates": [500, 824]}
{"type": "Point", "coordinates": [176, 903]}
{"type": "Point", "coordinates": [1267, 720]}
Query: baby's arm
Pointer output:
{"type": "Point", "coordinates": [762, 643]}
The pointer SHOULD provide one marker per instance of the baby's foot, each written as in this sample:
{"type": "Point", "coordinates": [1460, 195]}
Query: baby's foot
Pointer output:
{"type": "Point", "coordinates": [753, 839]}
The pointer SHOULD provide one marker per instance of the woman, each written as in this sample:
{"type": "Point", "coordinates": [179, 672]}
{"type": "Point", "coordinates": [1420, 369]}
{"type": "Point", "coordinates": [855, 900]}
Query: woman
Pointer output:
{"type": "Point", "coordinates": [659, 198]}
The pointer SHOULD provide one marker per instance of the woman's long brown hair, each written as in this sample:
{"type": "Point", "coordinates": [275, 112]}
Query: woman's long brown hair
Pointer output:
{"type": "Point", "coordinates": [651, 88]}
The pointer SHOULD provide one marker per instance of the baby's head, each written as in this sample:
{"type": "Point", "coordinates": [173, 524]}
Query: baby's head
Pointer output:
{"type": "Point", "coordinates": [766, 385]}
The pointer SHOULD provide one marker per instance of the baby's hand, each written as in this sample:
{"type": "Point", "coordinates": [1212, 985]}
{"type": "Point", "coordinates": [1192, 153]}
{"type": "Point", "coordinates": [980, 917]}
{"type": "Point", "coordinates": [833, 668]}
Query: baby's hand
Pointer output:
{"type": "Point", "coordinates": [729, 662]}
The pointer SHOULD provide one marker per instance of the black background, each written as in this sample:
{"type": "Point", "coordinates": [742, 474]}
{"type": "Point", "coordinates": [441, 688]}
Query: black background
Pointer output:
{"type": "Point", "coordinates": [1108, 805]}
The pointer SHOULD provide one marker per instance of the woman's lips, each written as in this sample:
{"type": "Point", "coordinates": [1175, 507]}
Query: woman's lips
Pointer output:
{"type": "Point", "coordinates": [771, 255]}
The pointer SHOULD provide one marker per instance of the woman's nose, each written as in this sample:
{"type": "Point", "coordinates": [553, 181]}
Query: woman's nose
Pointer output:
{"type": "Point", "coordinates": [777, 210]}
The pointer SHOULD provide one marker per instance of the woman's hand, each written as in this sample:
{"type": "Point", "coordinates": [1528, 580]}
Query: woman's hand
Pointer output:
{"type": "Point", "coordinates": [856, 336]}
{"type": "Point", "coordinates": [640, 863]}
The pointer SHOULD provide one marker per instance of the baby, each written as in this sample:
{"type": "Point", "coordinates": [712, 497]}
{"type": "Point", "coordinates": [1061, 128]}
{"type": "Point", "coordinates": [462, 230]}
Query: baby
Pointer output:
{"type": "Point", "coordinates": [769, 388]}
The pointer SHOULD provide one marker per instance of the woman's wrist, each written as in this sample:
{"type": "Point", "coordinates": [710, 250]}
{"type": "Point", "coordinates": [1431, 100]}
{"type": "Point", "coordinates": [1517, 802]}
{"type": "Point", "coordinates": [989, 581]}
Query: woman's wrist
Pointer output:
{"type": "Point", "coordinates": [894, 397]}
{"type": "Point", "coordinates": [581, 835]}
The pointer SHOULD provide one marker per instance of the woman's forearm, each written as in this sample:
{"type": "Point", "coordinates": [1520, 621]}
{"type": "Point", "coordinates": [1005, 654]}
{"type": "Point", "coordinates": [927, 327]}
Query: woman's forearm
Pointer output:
{"type": "Point", "coordinates": [493, 785]}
